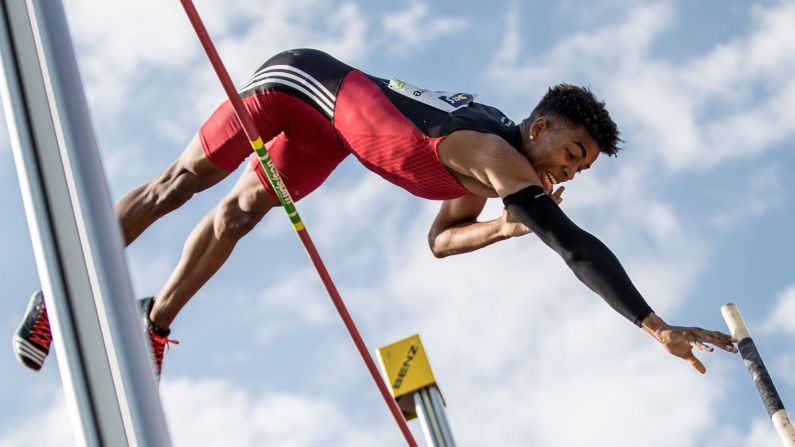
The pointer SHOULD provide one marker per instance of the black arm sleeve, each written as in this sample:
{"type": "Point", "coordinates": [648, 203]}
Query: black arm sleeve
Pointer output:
{"type": "Point", "coordinates": [590, 260]}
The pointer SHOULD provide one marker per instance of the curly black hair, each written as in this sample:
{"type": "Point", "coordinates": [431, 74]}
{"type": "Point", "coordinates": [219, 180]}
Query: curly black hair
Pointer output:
{"type": "Point", "coordinates": [577, 106]}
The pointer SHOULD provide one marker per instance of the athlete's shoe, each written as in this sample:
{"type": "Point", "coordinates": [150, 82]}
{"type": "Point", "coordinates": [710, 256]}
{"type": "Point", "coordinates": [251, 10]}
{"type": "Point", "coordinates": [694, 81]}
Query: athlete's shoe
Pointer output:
{"type": "Point", "coordinates": [32, 339]}
{"type": "Point", "coordinates": [160, 341]}
{"type": "Point", "coordinates": [157, 336]}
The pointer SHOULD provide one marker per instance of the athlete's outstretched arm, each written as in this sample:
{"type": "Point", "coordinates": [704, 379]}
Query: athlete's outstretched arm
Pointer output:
{"type": "Point", "coordinates": [590, 260]}
{"type": "Point", "coordinates": [596, 266]}
{"type": "Point", "coordinates": [500, 167]}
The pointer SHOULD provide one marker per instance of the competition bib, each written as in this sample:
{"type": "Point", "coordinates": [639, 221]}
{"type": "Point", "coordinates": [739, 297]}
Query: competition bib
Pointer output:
{"type": "Point", "coordinates": [444, 101]}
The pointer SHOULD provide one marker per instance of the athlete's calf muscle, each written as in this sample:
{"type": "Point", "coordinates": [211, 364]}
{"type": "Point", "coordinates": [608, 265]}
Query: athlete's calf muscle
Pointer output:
{"type": "Point", "coordinates": [192, 172]}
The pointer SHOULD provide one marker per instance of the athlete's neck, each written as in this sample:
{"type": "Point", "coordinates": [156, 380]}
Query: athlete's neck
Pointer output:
{"type": "Point", "coordinates": [524, 132]}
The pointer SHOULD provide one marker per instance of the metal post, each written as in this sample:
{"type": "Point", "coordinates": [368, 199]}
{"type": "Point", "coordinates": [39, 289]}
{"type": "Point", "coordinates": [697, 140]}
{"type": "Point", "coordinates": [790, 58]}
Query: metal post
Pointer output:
{"type": "Point", "coordinates": [103, 359]}
{"type": "Point", "coordinates": [430, 410]}
{"type": "Point", "coordinates": [406, 367]}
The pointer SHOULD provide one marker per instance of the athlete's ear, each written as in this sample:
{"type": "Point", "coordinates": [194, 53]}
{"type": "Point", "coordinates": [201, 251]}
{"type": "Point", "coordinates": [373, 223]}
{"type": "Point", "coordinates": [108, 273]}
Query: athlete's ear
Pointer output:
{"type": "Point", "coordinates": [539, 127]}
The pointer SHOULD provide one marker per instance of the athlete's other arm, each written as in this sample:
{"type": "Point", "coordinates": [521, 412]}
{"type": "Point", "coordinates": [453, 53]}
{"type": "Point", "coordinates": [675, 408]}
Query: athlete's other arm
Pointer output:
{"type": "Point", "coordinates": [495, 164]}
{"type": "Point", "coordinates": [456, 228]}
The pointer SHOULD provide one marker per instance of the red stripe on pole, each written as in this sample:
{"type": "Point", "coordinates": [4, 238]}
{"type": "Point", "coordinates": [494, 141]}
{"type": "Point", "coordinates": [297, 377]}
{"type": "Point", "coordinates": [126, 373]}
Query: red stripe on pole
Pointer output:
{"type": "Point", "coordinates": [253, 134]}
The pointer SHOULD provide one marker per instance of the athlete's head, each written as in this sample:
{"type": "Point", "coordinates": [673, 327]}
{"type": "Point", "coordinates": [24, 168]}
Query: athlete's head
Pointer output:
{"type": "Point", "coordinates": [565, 133]}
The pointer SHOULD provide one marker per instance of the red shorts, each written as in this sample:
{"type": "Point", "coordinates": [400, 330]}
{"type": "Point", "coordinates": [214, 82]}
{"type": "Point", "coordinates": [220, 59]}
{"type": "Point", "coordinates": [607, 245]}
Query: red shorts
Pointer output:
{"type": "Point", "coordinates": [301, 141]}
{"type": "Point", "coordinates": [314, 110]}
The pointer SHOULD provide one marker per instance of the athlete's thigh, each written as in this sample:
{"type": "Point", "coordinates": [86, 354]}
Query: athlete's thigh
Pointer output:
{"type": "Point", "coordinates": [302, 168]}
{"type": "Point", "coordinates": [250, 194]}
{"type": "Point", "coordinates": [293, 92]}
{"type": "Point", "coordinates": [195, 168]}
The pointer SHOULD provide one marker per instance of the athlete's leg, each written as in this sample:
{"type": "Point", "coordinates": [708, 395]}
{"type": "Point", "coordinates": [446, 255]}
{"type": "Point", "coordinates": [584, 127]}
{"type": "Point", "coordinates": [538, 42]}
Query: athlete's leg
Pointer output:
{"type": "Point", "coordinates": [211, 243]}
{"type": "Point", "coordinates": [190, 173]}
{"type": "Point", "coordinates": [303, 115]}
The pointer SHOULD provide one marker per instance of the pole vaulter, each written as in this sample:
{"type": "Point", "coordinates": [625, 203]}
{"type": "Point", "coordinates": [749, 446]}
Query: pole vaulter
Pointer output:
{"type": "Point", "coordinates": [287, 203]}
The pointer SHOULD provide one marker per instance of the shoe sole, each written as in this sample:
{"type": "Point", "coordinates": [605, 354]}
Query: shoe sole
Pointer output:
{"type": "Point", "coordinates": [28, 354]}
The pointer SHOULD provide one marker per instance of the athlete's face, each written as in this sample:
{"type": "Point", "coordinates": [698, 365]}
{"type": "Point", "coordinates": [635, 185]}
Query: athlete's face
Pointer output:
{"type": "Point", "coordinates": [559, 152]}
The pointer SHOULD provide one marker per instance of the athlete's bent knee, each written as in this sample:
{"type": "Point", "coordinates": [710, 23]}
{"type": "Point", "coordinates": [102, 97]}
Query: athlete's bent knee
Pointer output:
{"type": "Point", "coordinates": [232, 223]}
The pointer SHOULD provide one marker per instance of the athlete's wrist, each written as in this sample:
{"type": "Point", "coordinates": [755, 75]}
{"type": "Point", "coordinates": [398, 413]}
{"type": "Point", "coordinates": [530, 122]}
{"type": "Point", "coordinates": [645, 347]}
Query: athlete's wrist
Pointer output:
{"type": "Point", "coordinates": [653, 325]}
{"type": "Point", "coordinates": [507, 227]}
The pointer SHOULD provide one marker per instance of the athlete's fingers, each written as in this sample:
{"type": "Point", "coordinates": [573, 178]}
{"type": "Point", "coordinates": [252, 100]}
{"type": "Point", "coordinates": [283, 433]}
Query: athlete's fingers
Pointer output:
{"type": "Point", "coordinates": [719, 339]}
{"type": "Point", "coordinates": [699, 345]}
{"type": "Point", "coordinates": [557, 195]}
{"type": "Point", "coordinates": [729, 348]}
{"type": "Point", "coordinates": [695, 362]}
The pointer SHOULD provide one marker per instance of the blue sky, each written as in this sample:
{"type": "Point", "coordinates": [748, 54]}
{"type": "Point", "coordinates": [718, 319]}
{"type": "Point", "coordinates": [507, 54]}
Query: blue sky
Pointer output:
{"type": "Point", "coordinates": [699, 208]}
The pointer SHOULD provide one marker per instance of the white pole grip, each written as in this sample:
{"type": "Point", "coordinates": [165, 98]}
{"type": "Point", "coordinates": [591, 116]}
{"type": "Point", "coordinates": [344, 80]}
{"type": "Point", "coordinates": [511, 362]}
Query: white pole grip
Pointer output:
{"type": "Point", "coordinates": [735, 322]}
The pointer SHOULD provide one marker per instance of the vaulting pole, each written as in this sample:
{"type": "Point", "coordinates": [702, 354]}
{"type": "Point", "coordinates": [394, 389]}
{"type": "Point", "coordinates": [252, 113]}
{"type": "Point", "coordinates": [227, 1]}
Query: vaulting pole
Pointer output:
{"type": "Point", "coordinates": [760, 376]}
{"type": "Point", "coordinates": [287, 203]}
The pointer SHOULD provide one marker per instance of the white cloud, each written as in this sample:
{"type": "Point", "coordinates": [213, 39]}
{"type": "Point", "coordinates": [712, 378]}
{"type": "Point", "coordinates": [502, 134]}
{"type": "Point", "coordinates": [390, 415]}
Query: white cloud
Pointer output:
{"type": "Point", "coordinates": [767, 55]}
{"type": "Point", "coordinates": [290, 302]}
{"type": "Point", "coordinates": [124, 45]}
{"type": "Point", "coordinates": [782, 367]}
{"type": "Point", "coordinates": [150, 273]}
{"type": "Point", "coordinates": [732, 102]}
{"type": "Point", "coordinates": [762, 434]}
{"type": "Point", "coordinates": [662, 256]}
{"type": "Point", "coordinates": [415, 26]}
{"type": "Point", "coordinates": [246, 37]}
{"type": "Point", "coordinates": [780, 319]}
{"type": "Point", "coordinates": [592, 53]}
{"type": "Point", "coordinates": [215, 412]}
{"type": "Point", "coordinates": [764, 191]}
{"type": "Point", "coordinates": [55, 421]}
{"type": "Point", "coordinates": [129, 49]}
{"type": "Point", "coordinates": [341, 208]}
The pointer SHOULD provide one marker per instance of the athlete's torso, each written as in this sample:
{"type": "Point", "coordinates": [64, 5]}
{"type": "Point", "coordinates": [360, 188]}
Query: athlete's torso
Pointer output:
{"type": "Point", "coordinates": [397, 136]}
{"type": "Point", "coordinates": [438, 123]}
{"type": "Point", "coordinates": [392, 134]}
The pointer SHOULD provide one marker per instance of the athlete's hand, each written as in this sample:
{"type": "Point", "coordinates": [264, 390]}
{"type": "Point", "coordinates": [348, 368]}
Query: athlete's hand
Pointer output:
{"type": "Point", "coordinates": [680, 340]}
{"type": "Point", "coordinates": [510, 227]}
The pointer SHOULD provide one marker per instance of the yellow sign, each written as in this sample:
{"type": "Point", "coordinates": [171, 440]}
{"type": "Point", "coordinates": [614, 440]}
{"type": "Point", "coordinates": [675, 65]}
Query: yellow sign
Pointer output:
{"type": "Point", "coordinates": [406, 366]}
